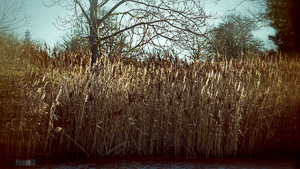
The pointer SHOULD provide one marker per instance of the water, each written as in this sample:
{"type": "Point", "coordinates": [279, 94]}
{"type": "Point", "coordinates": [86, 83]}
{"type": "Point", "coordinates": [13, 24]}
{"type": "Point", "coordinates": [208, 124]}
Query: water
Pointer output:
{"type": "Point", "coordinates": [171, 162]}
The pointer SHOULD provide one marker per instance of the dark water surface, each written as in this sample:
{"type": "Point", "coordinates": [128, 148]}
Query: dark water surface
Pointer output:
{"type": "Point", "coordinates": [148, 162]}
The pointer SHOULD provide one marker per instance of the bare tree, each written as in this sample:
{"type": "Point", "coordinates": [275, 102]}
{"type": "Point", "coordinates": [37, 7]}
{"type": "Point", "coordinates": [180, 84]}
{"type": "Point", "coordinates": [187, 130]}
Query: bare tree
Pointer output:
{"type": "Point", "coordinates": [70, 40]}
{"type": "Point", "coordinates": [12, 15]}
{"type": "Point", "coordinates": [115, 45]}
{"type": "Point", "coordinates": [73, 38]}
{"type": "Point", "coordinates": [234, 36]}
{"type": "Point", "coordinates": [146, 22]}
{"type": "Point", "coordinates": [214, 42]}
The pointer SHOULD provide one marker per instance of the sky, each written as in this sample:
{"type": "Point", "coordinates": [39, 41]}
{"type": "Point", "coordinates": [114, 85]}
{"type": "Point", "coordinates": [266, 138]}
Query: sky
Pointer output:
{"type": "Point", "coordinates": [42, 28]}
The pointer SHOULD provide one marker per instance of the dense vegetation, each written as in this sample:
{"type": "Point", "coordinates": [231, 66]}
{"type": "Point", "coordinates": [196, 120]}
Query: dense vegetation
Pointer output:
{"type": "Point", "coordinates": [220, 108]}
{"type": "Point", "coordinates": [284, 18]}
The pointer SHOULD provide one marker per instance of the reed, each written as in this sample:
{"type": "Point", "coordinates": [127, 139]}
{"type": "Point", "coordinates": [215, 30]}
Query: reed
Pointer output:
{"type": "Point", "coordinates": [226, 108]}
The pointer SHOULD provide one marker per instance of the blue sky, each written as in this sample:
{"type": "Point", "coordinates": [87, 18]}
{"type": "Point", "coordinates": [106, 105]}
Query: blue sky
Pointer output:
{"type": "Point", "coordinates": [42, 28]}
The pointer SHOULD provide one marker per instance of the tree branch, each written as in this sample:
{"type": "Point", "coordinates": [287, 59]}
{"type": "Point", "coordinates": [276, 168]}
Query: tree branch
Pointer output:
{"type": "Point", "coordinates": [83, 11]}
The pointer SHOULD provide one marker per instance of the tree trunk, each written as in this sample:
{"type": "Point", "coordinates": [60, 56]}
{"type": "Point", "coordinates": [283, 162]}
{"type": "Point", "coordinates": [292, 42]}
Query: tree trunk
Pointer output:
{"type": "Point", "coordinates": [94, 47]}
{"type": "Point", "coordinates": [94, 31]}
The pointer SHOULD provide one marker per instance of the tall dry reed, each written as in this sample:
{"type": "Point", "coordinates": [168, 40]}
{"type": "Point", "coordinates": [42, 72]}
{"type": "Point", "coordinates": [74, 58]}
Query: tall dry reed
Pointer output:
{"type": "Point", "coordinates": [245, 107]}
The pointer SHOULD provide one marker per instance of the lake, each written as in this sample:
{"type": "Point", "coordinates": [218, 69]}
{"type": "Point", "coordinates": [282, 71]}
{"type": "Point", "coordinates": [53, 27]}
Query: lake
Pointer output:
{"type": "Point", "coordinates": [153, 162]}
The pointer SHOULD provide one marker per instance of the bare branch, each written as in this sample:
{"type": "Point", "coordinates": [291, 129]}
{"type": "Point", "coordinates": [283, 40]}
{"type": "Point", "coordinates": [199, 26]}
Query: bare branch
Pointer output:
{"type": "Point", "coordinates": [147, 23]}
{"type": "Point", "coordinates": [102, 4]}
{"type": "Point", "coordinates": [99, 21]}
{"type": "Point", "coordinates": [83, 11]}
{"type": "Point", "coordinates": [12, 15]}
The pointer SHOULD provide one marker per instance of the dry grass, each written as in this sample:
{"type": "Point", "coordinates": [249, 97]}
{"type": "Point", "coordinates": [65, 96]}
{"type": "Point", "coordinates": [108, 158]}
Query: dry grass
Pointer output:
{"type": "Point", "coordinates": [245, 107]}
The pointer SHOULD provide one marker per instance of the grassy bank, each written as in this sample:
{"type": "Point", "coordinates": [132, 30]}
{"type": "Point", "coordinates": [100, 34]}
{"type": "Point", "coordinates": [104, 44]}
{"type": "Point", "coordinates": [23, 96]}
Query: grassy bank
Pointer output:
{"type": "Point", "coordinates": [244, 107]}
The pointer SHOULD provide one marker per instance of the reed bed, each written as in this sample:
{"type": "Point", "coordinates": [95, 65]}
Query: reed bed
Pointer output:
{"type": "Point", "coordinates": [225, 108]}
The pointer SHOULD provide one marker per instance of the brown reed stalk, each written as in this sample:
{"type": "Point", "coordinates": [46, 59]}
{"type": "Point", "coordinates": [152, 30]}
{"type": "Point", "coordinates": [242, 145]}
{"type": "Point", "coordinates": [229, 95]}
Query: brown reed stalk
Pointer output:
{"type": "Point", "coordinates": [225, 108]}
